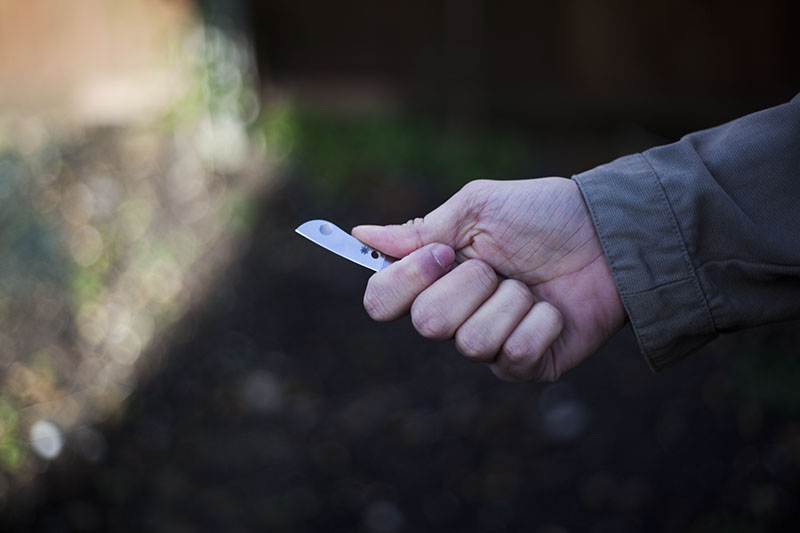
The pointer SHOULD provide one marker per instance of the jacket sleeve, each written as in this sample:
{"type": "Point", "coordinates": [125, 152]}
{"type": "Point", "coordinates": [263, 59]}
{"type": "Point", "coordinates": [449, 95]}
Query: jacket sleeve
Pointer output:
{"type": "Point", "coordinates": [703, 235]}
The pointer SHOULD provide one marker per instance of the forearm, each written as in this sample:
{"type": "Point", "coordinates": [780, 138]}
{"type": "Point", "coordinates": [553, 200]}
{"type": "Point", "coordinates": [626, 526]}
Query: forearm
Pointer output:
{"type": "Point", "coordinates": [702, 235]}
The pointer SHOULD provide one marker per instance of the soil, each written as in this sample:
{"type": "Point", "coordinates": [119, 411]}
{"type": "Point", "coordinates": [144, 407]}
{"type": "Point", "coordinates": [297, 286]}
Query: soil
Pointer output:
{"type": "Point", "coordinates": [279, 406]}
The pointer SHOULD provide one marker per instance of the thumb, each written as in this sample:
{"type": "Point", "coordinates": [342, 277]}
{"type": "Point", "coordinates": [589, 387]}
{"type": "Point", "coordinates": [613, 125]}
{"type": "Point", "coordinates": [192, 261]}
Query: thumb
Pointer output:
{"type": "Point", "coordinates": [398, 240]}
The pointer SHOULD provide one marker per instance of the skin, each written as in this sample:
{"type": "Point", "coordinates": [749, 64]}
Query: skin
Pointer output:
{"type": "Point", "coordinates": [513, 270]}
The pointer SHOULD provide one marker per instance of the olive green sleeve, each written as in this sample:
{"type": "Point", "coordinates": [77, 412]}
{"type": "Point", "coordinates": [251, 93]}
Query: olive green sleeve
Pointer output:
{"type": "Point", "coordinates": [703, 235]}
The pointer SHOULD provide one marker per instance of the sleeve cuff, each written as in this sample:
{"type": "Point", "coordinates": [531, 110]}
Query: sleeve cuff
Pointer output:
{"type": "Point", "coordinates": [643, 244]}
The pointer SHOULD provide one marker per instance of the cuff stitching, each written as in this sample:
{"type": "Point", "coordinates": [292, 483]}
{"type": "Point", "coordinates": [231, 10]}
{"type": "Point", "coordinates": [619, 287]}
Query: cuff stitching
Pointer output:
{"type": "Point", "coordinates": [624, 296]}
{"type": "Point", "coordinates": [684, 252]}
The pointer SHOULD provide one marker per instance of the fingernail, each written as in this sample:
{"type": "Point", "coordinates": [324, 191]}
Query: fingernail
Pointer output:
{"type": "Point", "coordinates": [443, 255]}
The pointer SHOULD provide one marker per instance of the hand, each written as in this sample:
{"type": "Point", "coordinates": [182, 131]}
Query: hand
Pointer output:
{"type": "Point", "coordinates": [555, 303]}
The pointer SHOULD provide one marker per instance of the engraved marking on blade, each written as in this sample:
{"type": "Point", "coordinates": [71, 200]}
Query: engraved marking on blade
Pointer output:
{"type": "Point", "coordinates": [367, 250]}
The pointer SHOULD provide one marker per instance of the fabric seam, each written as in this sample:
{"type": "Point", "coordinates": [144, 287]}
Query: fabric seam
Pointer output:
{"type": "Point", "coordinates": [684, 252]}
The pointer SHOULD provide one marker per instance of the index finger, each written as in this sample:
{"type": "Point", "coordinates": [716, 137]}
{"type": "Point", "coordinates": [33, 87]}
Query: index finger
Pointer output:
{"type": "Point", "coordinates": [391, 291]}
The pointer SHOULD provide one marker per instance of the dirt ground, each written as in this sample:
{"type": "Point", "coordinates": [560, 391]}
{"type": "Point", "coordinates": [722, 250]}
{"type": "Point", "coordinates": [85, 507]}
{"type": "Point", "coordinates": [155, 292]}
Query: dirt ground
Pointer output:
{"type": "Point", "coordinates": [281, 407]}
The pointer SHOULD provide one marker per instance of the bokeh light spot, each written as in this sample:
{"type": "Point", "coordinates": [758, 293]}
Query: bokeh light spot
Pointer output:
{"type": "Point", "coordinates": [46, 439]}
{"type": "Point", "coordinates": [86, 245]}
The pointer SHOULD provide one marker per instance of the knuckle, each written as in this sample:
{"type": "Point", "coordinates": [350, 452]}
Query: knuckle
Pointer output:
{"type": "Point", "coordinates": [473, 345]}
{"type": "Point", "coordinates": [471, 187]}
{"type": "Point", "coordinates": [482, 273]}
{"type": "Point", "coordinates": [475, 192]}
{"type": "Point", "coordinates": [374, 301]}
{"type": "Point", "coordinates": [475, 186]}
{"type": "Point", "coordinates": [429, 321]}
{"type": "Point", "coordinates": [517, 353]}
{"type": "Point", "coordinates": [416, 224]}
{"type": "Point", "coordinates": [550, 316]}
{"type": "Point", "coordinates": [518, 290]}
{"type": "Point", "coordinates": [415, 274]}
{"type": "Point", "coordinates": [373, 307]}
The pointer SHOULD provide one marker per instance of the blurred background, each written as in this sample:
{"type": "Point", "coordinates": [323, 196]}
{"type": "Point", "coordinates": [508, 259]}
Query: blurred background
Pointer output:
{"type": "Point", "coordinates": [174, 358]}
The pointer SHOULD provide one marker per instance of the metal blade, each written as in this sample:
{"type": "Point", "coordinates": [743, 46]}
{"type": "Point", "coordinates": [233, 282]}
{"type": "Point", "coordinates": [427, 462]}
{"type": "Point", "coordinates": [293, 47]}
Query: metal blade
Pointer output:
{"type": "Point", "coordinates": [332, 238]}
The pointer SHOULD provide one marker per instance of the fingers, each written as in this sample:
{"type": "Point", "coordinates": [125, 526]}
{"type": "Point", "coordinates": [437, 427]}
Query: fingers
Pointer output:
{"type": "Point", "coordinates": [398, 240]}
{"type": "Point", "coordinates": [496, 323]}
{"type": "Point", "coordinates": [442, 308]}
{"type": "Point", "coordinates": [512, 334]}
{"type": "Point", "coordinates": [440, 299]}
{"type": "Point", "coordinates": [446, 224]}
{"type": "Point", "coordinates": [527, 354]}
{"type": "Point", "coordinates": [391, 291]}
{"type": "Point", "coordinates": [483, 334]}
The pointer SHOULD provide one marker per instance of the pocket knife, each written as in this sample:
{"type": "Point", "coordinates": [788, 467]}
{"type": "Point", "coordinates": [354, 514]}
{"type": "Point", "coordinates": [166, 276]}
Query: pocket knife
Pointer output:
{"type": "Point", "coordinates": [338, 241]}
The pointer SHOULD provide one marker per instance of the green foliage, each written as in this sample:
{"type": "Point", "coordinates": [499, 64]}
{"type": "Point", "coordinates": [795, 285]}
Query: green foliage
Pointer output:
{"type": "Point", "coordinates": [343, 151]}
{"type": "Point", "coordinates": [10, 446]}
{"type": "Point", "coordinates": [87, 286]}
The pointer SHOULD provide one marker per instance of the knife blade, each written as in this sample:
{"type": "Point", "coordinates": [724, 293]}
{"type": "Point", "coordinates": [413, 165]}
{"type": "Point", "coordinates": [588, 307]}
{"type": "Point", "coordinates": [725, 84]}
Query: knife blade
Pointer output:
{"type": "Point", "coordinates": [338, 241]}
